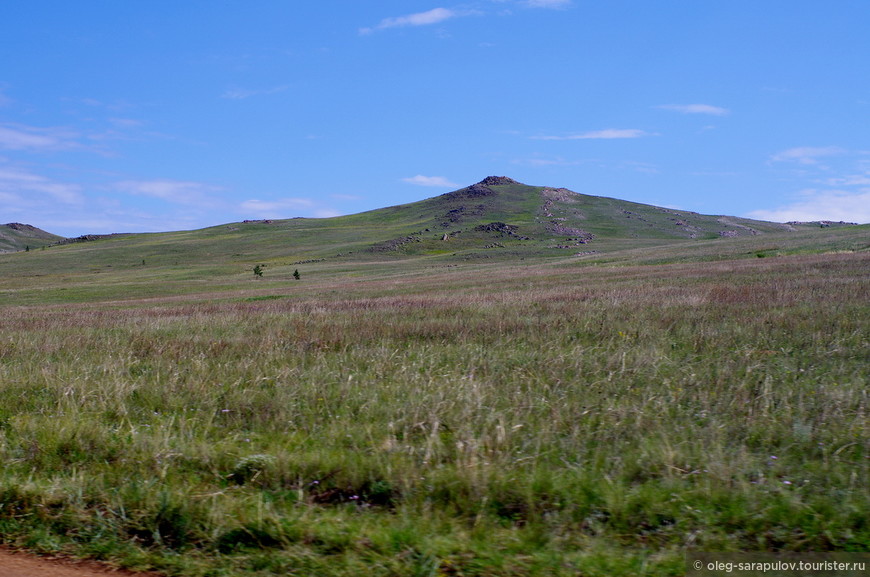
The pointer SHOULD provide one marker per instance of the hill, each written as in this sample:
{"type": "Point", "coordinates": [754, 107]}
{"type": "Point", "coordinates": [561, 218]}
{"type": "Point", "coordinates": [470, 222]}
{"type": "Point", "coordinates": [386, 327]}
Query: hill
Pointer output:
{"type": "Point", "coordinates": [15, 236]}
{"type": "Point", "coordinates": [501, 217]}
{"type": "Point", "coordinates": [496, 220]}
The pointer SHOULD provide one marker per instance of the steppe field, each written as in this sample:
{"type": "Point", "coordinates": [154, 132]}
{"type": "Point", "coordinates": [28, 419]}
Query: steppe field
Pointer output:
{"type": "Point", "coordinates": [562, 417]}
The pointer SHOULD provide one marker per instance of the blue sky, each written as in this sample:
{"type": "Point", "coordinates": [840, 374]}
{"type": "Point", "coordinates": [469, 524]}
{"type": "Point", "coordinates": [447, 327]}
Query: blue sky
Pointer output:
{"type": "Point", "coordinates": [137, 116]}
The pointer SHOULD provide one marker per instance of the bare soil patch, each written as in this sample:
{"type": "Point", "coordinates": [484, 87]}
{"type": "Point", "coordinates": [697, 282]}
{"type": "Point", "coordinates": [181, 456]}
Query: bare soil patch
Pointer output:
{"type": "Point", "coordinates": [18, 564]}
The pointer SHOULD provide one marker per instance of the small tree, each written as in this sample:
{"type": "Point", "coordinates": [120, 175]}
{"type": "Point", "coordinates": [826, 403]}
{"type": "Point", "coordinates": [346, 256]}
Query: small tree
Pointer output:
{"type": "Point", "coordinates": [258, 270]}
{"type": "Point", "coordinates": [296, 274]}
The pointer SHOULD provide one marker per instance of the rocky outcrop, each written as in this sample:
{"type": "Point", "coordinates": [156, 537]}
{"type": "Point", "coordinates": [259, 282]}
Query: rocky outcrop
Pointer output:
{"type": "Point", "coordinates": [480, 189]}
{"type": "Point", "coordinates": [88, 238]}
{"type": "Point", "coordinates": [501, 229]}
{"type": "Point", "coordinates": [477, 191]}
{"type": "Point", "coordinates": [395, 243]}
{"type": "Point", "coordinates": [497, 181]}
{"type": "Point", "coordinates": [461, 213]}
{"type": "Point", "coordinates": [560, 195]}
{"type": "Point", "coordinates": [21, 227]}
{"type": "Point", "coordinates": [496, 227]}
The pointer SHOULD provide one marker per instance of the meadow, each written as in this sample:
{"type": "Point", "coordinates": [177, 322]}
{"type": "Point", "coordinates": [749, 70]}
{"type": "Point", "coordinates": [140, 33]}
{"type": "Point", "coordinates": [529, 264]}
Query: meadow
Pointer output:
{"type": "Point", "coordinates": [561, 418]}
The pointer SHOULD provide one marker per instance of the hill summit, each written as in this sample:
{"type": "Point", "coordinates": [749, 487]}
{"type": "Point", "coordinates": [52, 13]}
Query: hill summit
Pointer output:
{"type": "Point", "coordinates": [497, 181]}
{"type": "Point", "coordinates": [499, 217]}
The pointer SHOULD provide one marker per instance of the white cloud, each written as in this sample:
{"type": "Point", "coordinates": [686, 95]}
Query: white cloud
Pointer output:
{"type": "Point", "coordinates": [696, 109]}
{"type": "Point", "coordinates": [175, 191]}
{"type": "Point", "coordinates": [814, 204]}
{"type": "Point", "coordinates": [16, 137]}
{"type": "Point", "coordinates": [281, 208]}
{"type": "Point", "coordinates": [607, 134]}
{"type": "Point", "coordinates": [421, 180]}
{"type": "Point", "coordinates": [836, 185]}
{"type": "Point", "coordinates": [851, 180]}
{"type": "Point", "coordinates": [21, 184]}
{"type": "Point", "coordinates": [429, 17]}
{"type": "Point", "coordinates": [806, 154]}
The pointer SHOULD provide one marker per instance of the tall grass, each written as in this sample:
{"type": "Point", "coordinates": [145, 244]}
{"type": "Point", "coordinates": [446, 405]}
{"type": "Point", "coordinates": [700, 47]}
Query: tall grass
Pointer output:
{"type": "Point", "coordinates": [546, 420]}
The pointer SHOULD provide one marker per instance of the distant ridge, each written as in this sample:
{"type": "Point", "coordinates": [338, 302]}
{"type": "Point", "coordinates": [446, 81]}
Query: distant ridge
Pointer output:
{"type": "Point", "coordinates": [495, 219]}
{"type": "Point", "coordinates": [15, 236]}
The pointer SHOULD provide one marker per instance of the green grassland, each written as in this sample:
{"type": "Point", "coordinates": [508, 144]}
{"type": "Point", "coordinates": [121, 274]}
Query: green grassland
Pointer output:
{"type": "Point", "coordinates": [406, 409]}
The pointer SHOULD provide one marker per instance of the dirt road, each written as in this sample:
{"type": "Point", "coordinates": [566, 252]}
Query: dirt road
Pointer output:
{"type": "Point", "coordinates": [13, 564]}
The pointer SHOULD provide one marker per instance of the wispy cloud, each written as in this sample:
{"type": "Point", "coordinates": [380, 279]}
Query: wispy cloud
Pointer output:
{"type": "Point", "coordinates": [280, 208]}
{"type": "Point", "coordinates": [696, 109]}
{"type": "Point", "coordinates": [849, 180]}
{"type": "Point", "coordinates": [23, 185]}
{"type": "Point", "coordinates": [174, 191]}
{"type": "Point", "coordinates": [807, 154]}
{"type": "Point", "coordinates": [287, 208]}
{"type": "Point", "coordinates": [438, 15]}
{"type": "Point", "coordinates": [427, 18]}
{"type": "Point", "coordinates": [815, 204]}
{"type": "Point", "coordinates": [837, 185]}
{"type": "Point", "coordinates": [20, 137]}
{"type": "Point", "coordinates": [421, 180]}
{"type": "Point", "coordinates": [607, 134]}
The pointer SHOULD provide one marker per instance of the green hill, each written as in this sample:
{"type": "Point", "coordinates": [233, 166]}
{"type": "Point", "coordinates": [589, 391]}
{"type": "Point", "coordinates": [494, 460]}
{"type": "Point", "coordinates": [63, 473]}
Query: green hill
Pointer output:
{"type": "Point", "coordinates": [501, 217]}
{"type": "Point", "coordinates": [496, 220]}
